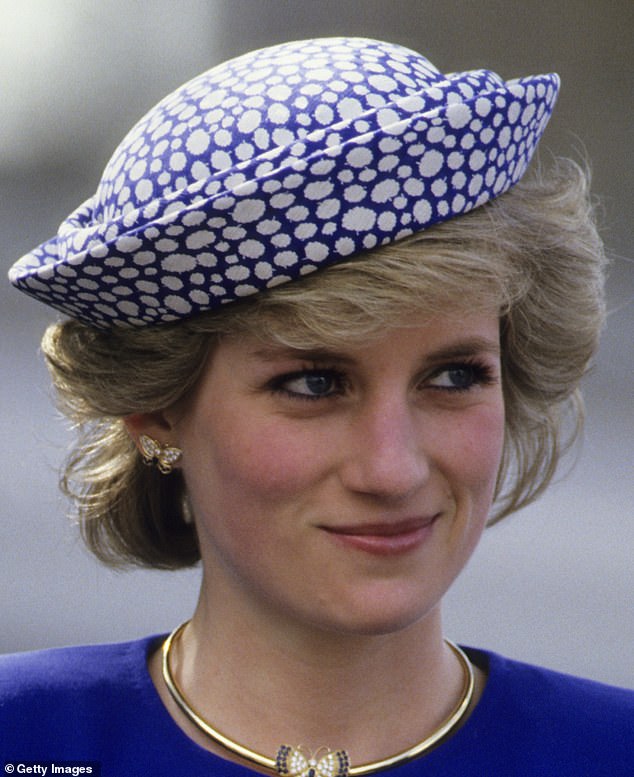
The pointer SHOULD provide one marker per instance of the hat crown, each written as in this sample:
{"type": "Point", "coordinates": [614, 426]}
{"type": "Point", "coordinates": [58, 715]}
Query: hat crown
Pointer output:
{"type": "Point", "coordinates": [252, 104]}
{"type": "Point", "coordinates": [279, 163]}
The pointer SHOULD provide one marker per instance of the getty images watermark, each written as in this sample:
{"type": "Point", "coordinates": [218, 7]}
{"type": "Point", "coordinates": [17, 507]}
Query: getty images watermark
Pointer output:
{"type": "Point", "coordinates": [48, 768]}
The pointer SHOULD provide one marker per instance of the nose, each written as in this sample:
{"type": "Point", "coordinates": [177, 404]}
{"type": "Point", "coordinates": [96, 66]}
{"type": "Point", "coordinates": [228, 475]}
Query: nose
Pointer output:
{"type": "Point", "coordinates": [386, 456]}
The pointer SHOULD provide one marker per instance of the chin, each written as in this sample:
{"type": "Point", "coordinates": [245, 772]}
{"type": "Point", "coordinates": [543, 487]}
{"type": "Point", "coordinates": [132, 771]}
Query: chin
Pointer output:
{"type": "Point", "coordinates": [376, 627]}
{"type": "Point", "coordinates": [382, 619]}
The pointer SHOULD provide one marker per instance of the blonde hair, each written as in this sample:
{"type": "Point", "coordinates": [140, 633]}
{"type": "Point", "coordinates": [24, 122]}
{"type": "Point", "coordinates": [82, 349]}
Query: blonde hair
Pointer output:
{"type": "Point", "coordinates": [534, 252]}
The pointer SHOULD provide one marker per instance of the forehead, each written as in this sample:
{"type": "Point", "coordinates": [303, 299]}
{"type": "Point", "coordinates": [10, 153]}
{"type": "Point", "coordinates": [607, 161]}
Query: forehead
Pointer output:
{"type": "Point", "coordinates": [321, 326]}
{"type": "Point", "coordinates": [457, 332]}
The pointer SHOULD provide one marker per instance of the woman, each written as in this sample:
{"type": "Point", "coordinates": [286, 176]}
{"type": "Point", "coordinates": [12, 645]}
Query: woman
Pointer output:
{"type": "Point", "coordinates": [320, 334]}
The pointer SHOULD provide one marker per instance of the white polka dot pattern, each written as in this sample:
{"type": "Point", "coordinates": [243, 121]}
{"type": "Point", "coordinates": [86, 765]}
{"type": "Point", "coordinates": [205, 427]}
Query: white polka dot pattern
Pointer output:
{"type": "Point", "coordinates": [279, 162]}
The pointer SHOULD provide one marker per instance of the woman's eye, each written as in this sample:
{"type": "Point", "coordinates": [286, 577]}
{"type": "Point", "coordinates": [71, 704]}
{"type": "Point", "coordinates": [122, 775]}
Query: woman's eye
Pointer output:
{"type": "Point", "coordinates": [310, 384]}
{"type": "Point", "coordinates": [461, 377]}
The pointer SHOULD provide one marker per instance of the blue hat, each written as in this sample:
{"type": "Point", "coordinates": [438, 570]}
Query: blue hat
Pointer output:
{"type": "Point", "coordinates": [277, 163]}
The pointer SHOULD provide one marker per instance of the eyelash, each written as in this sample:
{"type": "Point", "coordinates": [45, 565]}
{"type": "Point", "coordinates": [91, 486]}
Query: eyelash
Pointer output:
{"type": "Point", "coordinates": [279, 384]}
{"type": "Point", "coordinates": [481, 375]}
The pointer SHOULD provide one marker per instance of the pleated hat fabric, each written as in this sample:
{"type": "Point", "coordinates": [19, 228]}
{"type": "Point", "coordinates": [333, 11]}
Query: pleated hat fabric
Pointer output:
{"type": "Point", "coordinates": [278, 163]}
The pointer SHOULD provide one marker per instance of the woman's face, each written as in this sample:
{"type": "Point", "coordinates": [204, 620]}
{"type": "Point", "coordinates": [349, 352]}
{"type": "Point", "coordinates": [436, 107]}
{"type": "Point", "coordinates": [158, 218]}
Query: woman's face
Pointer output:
{"type": "Point", "coordinates": [345, 489]}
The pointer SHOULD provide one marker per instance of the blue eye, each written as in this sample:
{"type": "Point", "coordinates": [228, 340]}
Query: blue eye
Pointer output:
{"type": "Point", "coordinates": [462, 377]}
{"type": "Point", "coordinates": [309, 384]}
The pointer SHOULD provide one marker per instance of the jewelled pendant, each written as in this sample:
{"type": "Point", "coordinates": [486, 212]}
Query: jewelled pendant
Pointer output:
{"type": "Point", "coordinates": [292, 761]}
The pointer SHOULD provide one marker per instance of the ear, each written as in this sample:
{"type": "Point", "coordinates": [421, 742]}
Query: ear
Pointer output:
{"type": "Point", "coordinates": [156, 425]}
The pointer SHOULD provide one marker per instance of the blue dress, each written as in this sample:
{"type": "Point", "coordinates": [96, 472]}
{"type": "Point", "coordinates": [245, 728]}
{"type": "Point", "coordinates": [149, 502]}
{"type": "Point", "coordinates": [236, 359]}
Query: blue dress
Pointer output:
{"type": "Point", "coordinates": [98, 704]}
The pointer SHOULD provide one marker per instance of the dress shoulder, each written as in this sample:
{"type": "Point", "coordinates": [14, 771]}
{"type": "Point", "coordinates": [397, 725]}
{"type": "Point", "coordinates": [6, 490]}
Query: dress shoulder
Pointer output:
{"type": "Point", "coordinates": [69, 670]}
{"type": "Point", "coordinates": [531, 718]}
{"type": "Point", "coordinates": [551, 692]}
{"type": "Point", "coordinates": [65, 699]}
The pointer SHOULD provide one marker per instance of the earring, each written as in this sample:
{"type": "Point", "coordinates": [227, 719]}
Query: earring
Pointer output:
{"type": "Point", "coordinates": [163, 455]}
{"type": "Point", "coordinates": [187, 510]}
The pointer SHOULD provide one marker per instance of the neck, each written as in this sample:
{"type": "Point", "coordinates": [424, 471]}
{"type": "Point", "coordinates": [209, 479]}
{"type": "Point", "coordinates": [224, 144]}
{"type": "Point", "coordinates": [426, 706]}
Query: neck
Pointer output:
{"type": "Point", "coordinates": [371, 694]}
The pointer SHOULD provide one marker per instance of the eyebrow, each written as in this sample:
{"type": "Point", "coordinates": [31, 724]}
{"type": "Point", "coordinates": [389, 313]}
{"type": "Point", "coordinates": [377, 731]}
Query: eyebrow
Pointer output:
{"type": "Point", "coordinates": [460, 349]}
{"type": "Point", "coordinates": [470, 346]}
{"type": "Point", "coordinates": [273, 353]}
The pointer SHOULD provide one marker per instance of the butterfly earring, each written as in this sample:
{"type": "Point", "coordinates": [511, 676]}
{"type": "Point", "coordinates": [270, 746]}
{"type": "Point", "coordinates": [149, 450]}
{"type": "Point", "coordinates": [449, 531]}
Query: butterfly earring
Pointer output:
{"type": "Point", "coordinates": [154, 452]}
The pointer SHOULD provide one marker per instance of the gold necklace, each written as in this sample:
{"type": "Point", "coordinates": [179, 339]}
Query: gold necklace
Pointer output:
{"type": "Point", "coordinates": [292, 761]}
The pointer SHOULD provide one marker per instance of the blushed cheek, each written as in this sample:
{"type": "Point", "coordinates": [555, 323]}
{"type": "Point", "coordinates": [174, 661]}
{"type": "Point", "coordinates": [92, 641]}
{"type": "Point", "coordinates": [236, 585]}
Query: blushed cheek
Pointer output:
{"type": "Point", "coordinates": [474, 459]}
{"type": "Point", "coordinates": [256, 478]}
{"type": "Point", "coordinates": [268, 463]}
{"type": "Point", "coordinates": [487, 444]}
{"type": "Point", "coordinates": [476, 462]}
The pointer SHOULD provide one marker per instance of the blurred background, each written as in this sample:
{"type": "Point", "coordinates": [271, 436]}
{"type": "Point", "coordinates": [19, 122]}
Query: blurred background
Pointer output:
{"type": "Point", "coordinates": [553, 585]}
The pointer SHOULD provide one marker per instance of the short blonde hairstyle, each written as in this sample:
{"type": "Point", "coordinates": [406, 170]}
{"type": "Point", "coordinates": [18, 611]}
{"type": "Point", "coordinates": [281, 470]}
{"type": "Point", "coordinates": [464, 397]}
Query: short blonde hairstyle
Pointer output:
{"type": "Point", "coordinates": [534, 252]}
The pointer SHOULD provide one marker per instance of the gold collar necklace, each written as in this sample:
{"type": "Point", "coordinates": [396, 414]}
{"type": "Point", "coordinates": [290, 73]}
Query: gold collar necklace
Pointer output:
{"type": "Point", "coordinates": [293, 761]}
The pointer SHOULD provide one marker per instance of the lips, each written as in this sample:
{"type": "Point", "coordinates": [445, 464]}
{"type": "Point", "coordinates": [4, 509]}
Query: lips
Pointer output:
{"type": "Point", "coordinates": [384, 539]}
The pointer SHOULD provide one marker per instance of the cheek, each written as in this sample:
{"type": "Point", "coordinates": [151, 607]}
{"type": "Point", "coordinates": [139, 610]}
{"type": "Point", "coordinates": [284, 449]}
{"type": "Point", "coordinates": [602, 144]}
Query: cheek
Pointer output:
{"type": "Point", "coordinates": [248, 459]}
{"type": "Point", "coordinates": [477, 451]}
{"type": "Point", "coordinates": [248, 481]}
{"type": "Point", "coordinates": [472, 467]}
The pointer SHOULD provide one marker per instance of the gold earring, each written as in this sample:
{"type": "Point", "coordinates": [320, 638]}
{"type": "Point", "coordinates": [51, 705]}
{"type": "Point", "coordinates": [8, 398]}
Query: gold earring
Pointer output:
{"type": "Point", "coordinates": [165, 456]}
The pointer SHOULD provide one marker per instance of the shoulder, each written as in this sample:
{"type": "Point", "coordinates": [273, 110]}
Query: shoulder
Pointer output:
{"type": "Point", "coordinates": [553, 690]}
{"type": "Point", "coordinates": [561, 719]}
{"type": "Point", "coordinates": [71, 669]}
{"type": "Point", "coordinates": [65, 695]}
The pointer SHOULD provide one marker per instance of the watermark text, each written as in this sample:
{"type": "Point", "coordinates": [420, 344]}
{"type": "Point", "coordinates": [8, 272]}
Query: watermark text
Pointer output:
{"type": "Point", "coordinates": [50, 768]}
